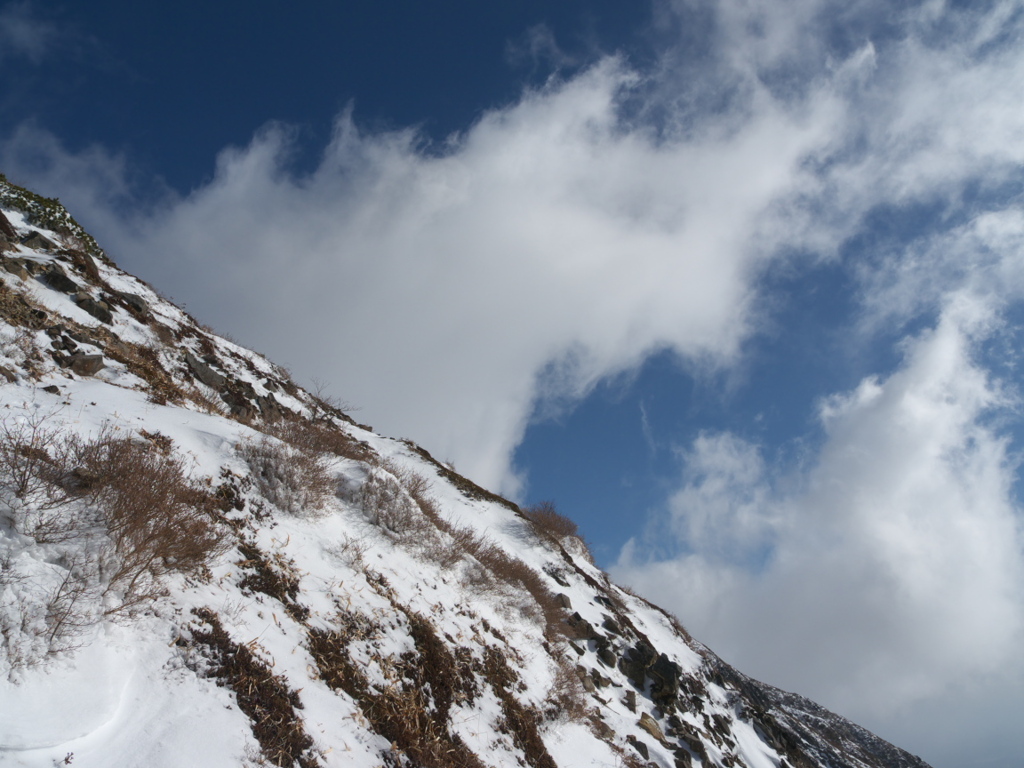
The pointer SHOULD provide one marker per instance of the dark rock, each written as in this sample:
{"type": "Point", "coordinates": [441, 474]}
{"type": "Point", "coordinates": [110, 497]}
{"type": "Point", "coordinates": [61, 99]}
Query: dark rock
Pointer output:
{"type": "Point", "coordinates": [607, 657]}
{"type": "Point", "coordinates": [588, 683]}
{"type": "Point", "coordinates": [630, 700]}
{"type": "Point", "coordinates": [563, 600]}
{"type": "Point", "coordinates": [555, 574]}
{"type": "Point", "coordinates": [98, 309]}
{"type": "Point", "coordinates": [683, 758]}
{"type": "Point", "coordinates": [635, 661]}
{"type": "Point", "coordinates": [611, 625]}
{"type": "Point", "coordinates": [53, 389]}
{"type": "Point", "coordinates": [134, 301]}
{"type": "Point", "coordinates": [55, 277]}
{"type": "Point", "coordinates": [583, 629]}
{"type": "Point", "coordinates": [7, 229]}
{"type": "Point", "coordinates": [666, 675]}
{"type": "Point", "coordinates": [205, 373]}
{"type": "Point", "coordinates": [37, 241]}
{"type": "Point", "coordinates": [269, 407]}
{"type": "Point", "coordinates": [86, 365]}
{"type": "Point", "coordinates": [240, 407]}
{"type": "Point", "coordinates": [639, 746]}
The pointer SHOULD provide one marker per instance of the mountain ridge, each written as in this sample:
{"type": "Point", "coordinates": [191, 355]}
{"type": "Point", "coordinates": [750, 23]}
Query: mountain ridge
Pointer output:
{"type": "Point", "coordinates": [349, 600]}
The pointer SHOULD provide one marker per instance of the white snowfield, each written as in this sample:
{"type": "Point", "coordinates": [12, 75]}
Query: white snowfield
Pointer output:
{"type": "Point", "coordinates": [436, 645]}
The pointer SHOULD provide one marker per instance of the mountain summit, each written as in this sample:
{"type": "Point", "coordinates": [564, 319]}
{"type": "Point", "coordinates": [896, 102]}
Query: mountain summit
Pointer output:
{"type": "Point", "coordinates": [203, 564]}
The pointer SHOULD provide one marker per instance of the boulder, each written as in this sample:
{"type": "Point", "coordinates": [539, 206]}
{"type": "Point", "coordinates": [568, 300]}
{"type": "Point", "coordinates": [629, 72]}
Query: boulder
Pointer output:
{"type": "Point", "coordinates": [650, 725]}
{"type": "Point", "coordinates": [134, 301]}
{"type": "Point", "coordinates": [55, 277]}
{"type": "Point", "coordinates": [240, 407]}
{"type": "Point", "coordinates": [630, 700]}
{"type": "Point", "coordinates": [607, 657]}
{"type": "Point", "coordinates": [83, 263]}
{"type": "Point", "coordinates": [204, 372]}
{"type": "Point", "coordinates": [38, 242]}
{"type": "Point", "coordinates": [86, 365]}
{"type": "Point", "coordinates": [98, 309]}
{"type": "Point", "coordinates": [639, 746]}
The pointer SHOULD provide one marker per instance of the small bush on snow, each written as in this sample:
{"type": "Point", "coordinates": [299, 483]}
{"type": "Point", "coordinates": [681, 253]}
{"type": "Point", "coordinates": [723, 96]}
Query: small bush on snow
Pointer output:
{"type": "Point", "coordinates": [295, 480]}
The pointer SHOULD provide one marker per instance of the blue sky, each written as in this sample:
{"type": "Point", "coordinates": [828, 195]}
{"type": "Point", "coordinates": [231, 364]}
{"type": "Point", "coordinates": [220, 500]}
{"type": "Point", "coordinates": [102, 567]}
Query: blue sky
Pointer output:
{"type": "Point", "coordinates": [738, 284]}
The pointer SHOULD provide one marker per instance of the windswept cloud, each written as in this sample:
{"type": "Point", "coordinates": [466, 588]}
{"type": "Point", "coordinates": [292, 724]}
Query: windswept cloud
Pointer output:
{"type": "Point", "coordinates": [443, 285]}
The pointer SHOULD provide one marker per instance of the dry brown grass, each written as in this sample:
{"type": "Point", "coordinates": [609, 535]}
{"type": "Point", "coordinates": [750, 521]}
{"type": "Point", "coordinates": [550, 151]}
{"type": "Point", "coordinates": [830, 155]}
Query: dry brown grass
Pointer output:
{"type": "Point", "coordinates": [264, 697]}
{"type": "Point", "coordinates": [412, 710]}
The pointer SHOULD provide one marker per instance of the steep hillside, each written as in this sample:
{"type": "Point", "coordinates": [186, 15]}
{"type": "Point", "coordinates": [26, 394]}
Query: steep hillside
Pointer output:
{"type": "Point", "coordinates": [202, 564]}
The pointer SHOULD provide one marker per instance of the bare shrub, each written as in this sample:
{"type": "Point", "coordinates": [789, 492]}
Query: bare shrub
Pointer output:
{"type": "Point", "coordinates": [321, 437]}
{"type": "Point", "coordinates": [157, 520]}
{"type": "Point", "coordinates": [399, 500]}
{"type": "Point", "coordinates": [68, 613]}
{"type": "Point", "coordinates": [294, 480]}
{"type": "Point", "coordinates": [566, 699]}
{"type": "Point", "coordinates": [549, 522]}
{"type": "Point", "coordinates": [519, 721]}
{"type": "Point", "coordinates": [507, 569]}
{"type": "Point", "coordinates": [349, 550]}
{"type": "Point", "coordinates": [36, 466]}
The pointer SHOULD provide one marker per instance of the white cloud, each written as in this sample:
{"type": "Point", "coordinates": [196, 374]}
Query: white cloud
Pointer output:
{"type": "Point", "coordinates": [889, 571]}
{"type": "Point", "coordinates": [434, 290]}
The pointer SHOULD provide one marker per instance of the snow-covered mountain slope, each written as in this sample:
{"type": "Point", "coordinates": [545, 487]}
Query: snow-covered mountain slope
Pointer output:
{"type": "Point", "coordinates": [205, 565]}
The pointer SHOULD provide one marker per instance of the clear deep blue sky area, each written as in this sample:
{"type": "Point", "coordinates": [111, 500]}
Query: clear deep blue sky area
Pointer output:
{"type": "Point", "coordinates": [737, 284]}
